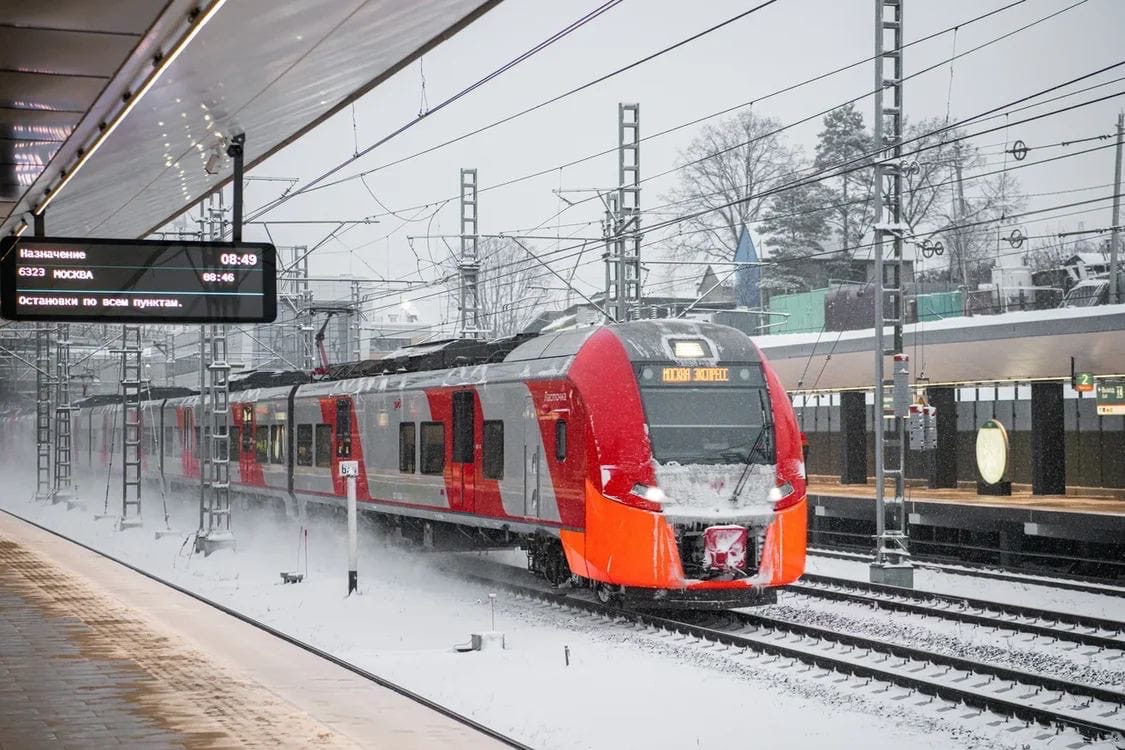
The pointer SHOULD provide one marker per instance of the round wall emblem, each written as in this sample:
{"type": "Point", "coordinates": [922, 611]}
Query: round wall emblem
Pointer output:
{"type": "Point", "coordinates": [992, 451]}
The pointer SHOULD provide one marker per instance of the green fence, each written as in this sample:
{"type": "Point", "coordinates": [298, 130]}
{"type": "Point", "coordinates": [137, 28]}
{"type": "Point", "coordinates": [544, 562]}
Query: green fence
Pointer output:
{"type": "Point", "coordinates": [939, 306]}
{"type": "Point", "coordinates": [805, 312]}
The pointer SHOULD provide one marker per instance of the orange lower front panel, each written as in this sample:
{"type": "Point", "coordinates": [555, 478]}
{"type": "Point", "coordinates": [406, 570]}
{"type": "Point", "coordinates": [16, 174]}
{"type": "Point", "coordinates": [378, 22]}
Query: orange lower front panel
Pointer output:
{"type": "Point", "coordinates": [628, 546]}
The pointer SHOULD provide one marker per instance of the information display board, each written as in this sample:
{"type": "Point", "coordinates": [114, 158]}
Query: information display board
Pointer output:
{"type": "Point", "coordinates": [137, 281]}
{"type": "Point", "coordinates": [1111, 398]}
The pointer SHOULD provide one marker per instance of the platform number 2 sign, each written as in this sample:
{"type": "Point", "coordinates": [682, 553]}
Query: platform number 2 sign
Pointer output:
{"type": "Point", "coordinates": [1084, 382]}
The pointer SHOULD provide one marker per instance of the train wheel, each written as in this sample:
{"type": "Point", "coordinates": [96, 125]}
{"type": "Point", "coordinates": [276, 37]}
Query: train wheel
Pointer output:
{"type": "Point", "coordinates": [609, 594]}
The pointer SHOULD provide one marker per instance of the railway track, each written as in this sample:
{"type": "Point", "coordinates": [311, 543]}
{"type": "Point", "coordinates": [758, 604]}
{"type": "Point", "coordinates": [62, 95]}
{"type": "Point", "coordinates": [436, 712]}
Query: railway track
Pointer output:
{"type": "Point", "coordinates": [1063, 626]}
{"type": "Point", "coordinates": [1093, 711]}
{"type": "Point", "coordinates": [1085, 585]}
{"type": "Point", "coordinates": [370, 676]}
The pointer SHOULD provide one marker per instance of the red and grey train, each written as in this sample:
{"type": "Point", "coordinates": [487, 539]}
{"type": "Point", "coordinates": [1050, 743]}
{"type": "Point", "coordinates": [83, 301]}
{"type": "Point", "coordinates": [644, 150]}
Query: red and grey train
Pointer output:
{"type": "Point", "coordinates": [659, 461]}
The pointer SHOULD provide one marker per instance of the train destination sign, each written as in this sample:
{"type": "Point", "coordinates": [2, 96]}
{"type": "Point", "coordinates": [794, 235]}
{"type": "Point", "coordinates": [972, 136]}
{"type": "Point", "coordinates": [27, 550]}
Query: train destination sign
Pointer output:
{"type": "Point", "coordinates": [137, 281]}
{"type": "Point", "coordinates": [695, 375]}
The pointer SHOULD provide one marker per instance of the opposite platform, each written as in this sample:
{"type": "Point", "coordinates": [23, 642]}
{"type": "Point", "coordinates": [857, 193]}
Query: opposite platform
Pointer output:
{"type": "Point", "coordinates": [95, 655]}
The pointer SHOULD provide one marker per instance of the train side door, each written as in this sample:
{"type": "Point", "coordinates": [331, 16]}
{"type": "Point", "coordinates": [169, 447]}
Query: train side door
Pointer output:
{"type": "Point", "coordinates": [532, 460]}
{"type": "Point", "coordinates": [464, 452]}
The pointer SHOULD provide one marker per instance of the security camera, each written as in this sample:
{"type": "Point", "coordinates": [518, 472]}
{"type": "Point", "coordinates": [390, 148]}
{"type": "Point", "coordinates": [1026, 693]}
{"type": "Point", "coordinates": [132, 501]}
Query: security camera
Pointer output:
{"type": "Point", "coordinates": [214, 160]}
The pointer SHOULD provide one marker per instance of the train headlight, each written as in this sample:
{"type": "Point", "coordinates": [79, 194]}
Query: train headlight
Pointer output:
{"type": "Point", "coordinates": [783, 496]}
{"type": "Point", "coordinates": [652, 494]}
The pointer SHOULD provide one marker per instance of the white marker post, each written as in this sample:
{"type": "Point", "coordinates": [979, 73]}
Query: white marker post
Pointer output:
{"type": "Point", "coordinates": [350, 470]}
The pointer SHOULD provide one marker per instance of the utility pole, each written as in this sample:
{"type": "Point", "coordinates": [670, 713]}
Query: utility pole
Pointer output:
{"type": "Point", "coordinates": [959, 213]}
{"type": "Point", "coordinates": [892, 560]}
{"type": "Point", "coordinates": [1115, 237]}
{"type": "Point", "coordinates": [468, 266]}
{"type": "Point", "coordinates": [130, 352]}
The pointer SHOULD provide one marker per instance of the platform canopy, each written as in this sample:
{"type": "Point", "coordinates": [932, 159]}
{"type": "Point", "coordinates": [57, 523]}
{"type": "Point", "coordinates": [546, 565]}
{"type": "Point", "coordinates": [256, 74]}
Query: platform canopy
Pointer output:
{"type": "Point", "coordinates": [109, 111]}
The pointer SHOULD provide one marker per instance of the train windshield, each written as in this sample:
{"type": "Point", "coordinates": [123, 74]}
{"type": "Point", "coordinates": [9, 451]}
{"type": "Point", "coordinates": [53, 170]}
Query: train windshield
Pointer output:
{"type": "Point", "coordinates": [693, 420]}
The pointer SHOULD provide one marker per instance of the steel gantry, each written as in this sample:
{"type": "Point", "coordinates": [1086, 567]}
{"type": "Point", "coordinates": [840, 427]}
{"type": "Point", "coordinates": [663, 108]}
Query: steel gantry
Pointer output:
{"type": "Point", "coordinates": [42, 413]}
{"type": "Point", "coordinates": [892, 560]}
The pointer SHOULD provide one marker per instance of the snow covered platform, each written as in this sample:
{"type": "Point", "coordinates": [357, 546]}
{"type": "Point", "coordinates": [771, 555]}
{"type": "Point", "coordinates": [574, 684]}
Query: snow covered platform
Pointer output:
{"type": "Point", "coordinates": [95, 655]}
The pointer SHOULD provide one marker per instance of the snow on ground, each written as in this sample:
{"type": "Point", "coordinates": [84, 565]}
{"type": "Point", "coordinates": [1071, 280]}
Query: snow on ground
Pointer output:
{"type": "Point", "coordinates": [975, 587]}
{"type": "Point", "coordinates": [624, 688]}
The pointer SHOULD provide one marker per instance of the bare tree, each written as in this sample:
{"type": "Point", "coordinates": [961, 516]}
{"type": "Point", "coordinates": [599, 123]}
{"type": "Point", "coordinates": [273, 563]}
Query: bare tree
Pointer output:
{"type": "Point", "coordinates": [725, 172]}
{"type": "Point", "coordinates": [512, 287]}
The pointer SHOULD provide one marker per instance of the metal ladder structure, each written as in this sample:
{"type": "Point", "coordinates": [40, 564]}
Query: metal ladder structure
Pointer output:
{"type": "Point", "coordinates": [131, 428]}
{"type": "Point", "coordinates": [42, 413]}
{"type": "Point", "coordinates": [627, 281]}
{"type": "Point", "coordinates": [468, 265]}
{"type": "Point", "coordinates": [892, 559]}
{"type": "Point", "coordinates": [63, 487]}
{"type": "Point", "coordinates": [214, 512]}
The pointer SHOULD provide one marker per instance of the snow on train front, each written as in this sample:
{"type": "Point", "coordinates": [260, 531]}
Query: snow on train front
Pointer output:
{"type": "Point", "coordinates": [695, 492]}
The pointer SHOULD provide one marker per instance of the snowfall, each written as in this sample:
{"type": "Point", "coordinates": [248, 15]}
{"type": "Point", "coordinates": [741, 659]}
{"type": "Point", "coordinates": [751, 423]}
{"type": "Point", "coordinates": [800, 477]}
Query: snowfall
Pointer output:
{"type": "Point", "coordinates": [623, 687]}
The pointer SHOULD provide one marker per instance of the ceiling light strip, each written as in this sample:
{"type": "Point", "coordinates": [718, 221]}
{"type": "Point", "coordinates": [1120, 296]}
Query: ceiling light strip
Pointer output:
{"type": "Point", "coordinates": [163, 64]}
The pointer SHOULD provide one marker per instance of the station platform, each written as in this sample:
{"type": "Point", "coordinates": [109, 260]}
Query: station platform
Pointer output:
{"type": "Point", "coordinates": [95, 655]}
{"type": "Point", "coordinates": [1092, 501]}
{"type": "Point", "coordinates": [1078, 534]}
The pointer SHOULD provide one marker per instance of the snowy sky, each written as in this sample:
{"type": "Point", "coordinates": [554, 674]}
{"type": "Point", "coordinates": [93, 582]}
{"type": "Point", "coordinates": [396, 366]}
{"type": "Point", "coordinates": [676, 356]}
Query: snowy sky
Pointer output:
{"type": "Point", "coordinates": [783, 44]}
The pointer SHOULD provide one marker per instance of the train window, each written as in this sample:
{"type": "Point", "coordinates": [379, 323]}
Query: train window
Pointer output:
{"type": "Point", "coordinates": [433, 447]}
{"type": "Point", "coordinates": [196, 443]}
{"type": "Point", "coordinates": [406, 447]}
{"type": "Point", "coordinates": [343, 428]}
{"type": "Point", "coordinates": [323, 445]}
{"type": "Point", "coordinates": [277, 444]}
{"type": "Point", "coordinates": [493, 449]}
{"type": "Point", "coordinates": [262, 443]}
{"type": "Point", "coordinates": [463, 423]}
{"type": "Point", "coordinates": [304, 445]}
{"type": "Point", "coordinates": [560, 440]}
{"type": "Point", "coordinates": [247, 436]}
{"type": "Point", "coordinates": [169, 447]}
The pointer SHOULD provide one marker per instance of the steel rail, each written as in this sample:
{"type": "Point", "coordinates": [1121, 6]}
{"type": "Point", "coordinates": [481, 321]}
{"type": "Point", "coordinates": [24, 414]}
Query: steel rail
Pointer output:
{"type": "Point", "coordinates": [1068, 583]}
{"type": "Point", "coordinates": [986, 612]}
{"type": "Point", "coordinates": [354, 669]}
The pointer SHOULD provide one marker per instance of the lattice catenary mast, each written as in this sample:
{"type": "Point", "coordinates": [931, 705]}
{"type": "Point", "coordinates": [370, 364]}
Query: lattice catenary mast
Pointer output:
{"type": "Point", "coordinates": [892, 560]}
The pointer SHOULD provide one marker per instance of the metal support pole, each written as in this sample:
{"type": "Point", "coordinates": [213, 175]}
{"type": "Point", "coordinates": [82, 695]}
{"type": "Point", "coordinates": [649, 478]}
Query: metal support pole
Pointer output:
{"type": "Point", "coordinates": [892, 561]}
{"type": "Point", "coordinates": [468, 266]}
{"type": "Point", "coordinates": [350, 470]}
{"type": "Point", "coordinates": [63, 489]}
{"type": "Point", "coordinates": [42, 413]}
{"type": "Point", "coordinates": [235, 152]}
{"type": "Point", "coordinates": [1115, 237]}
